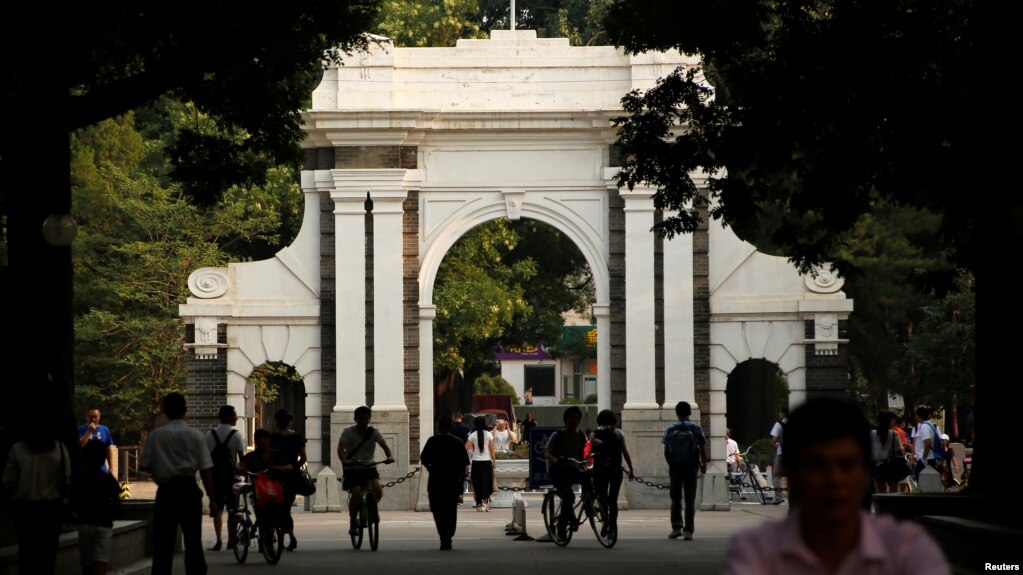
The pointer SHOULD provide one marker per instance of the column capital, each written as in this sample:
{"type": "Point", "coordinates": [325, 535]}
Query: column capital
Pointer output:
{"type": "Point", "coordinates": [638, 200]}
{"type": "Point", "coordinates": [601, 310]}
{"type": "Point", "coordinates": [427, 312]}
{"type": "Point", "coordinates": [349, 202]}
{"type": "Point", "coordinates": [388, 201]}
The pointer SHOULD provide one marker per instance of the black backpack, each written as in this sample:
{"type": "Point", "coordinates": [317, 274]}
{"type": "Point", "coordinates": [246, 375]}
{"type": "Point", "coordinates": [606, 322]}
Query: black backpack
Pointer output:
{"type": "Point", "coordinates": [223, 459]}
{"type": "Point", "coordinates": [683, 450]}
{"type": "Point", "coordinates": [608, 453]}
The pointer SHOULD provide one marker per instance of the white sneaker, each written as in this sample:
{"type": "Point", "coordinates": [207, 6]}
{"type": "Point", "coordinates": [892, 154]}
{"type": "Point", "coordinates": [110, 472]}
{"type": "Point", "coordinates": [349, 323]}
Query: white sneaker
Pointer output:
{"type": "Point", "coordinates": [675, 534]}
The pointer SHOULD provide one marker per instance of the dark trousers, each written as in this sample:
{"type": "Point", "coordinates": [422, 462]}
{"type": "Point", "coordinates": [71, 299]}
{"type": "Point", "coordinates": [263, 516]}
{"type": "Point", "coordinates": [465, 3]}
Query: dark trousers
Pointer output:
{"type": "Point", "coordinates": [444, 507]}
{"type": "Point", "coordinates": [482, 481]}
{"type": "Point", "coordinates": [563, 480]}
{"type": "Point", "coordinates": [287, 521]}
{"type": "Point", "coordinates": [607, 482]}
{"type": "Point", "coordinates": [37, 524]}
{"type": "Point", "coordinates": [178, 502]}
{"type": "Point", "coordinates": [683, 481]}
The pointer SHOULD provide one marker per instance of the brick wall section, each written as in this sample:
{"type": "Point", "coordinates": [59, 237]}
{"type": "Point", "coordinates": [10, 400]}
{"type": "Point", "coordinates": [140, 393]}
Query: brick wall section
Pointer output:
{"type": "Point", "coordinates": [374, 157]}
{"type": "Point", "coordinates": [206, 383]}
{"type": "Point", "coordinates": [616, 277]}
{"type": "Point", "coordinates": [318, 159]}
{"type": "Point", "coordinates": [370, 390]}
{"type": "Point", "coordinates": [410, 292]}
{"type": "Point", "coordinates": [659, 313]}
{"type": "Point", "coordinates": [701, 316]}
{"type": "Point", "coordinates": [827, 375]}
{"type": "Point", "coordinates": [328, 323]}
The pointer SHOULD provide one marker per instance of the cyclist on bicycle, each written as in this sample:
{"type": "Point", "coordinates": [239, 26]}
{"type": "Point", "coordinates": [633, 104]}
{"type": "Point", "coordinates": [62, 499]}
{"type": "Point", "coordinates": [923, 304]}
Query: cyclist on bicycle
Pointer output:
{"type": "Point", "coordinates": [608, 448]}
{"type": "Point", "coordinates": [357, 445]}
{"type": "Point", "coordinates": [269, 460]}
{"type": "Point", "coordinates": [563, 445]}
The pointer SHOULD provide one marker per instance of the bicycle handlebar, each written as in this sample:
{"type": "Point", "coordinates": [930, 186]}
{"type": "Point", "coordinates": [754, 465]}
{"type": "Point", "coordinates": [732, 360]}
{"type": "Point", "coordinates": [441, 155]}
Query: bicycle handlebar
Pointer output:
{"type": "Point", "coordinates": [370, 464]}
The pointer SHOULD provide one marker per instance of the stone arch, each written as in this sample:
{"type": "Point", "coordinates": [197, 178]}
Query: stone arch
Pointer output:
{"type": "Point", "coordinates": [753, 396]}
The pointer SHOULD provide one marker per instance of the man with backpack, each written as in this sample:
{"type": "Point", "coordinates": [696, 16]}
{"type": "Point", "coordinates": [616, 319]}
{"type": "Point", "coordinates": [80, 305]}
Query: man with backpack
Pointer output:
{"type": "Point", "coordinates": [685, 450]}
{"type": "Point", "coordinates": [927, 447]}
{"type": "Point", "coordinates": [226, 447]}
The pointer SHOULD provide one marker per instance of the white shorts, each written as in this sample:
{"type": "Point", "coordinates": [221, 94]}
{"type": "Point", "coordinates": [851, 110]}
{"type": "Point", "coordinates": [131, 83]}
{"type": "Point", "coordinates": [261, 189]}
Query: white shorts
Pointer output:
{"type": "Point", "coordinates": [94, 543]}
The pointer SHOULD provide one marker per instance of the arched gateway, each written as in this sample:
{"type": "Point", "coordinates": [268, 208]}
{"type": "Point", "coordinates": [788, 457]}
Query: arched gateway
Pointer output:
{"type": "Point", "coordinates": [410, 148]}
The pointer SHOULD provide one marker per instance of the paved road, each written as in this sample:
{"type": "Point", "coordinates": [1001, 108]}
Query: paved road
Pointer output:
{"type": "Point", "coordinates": [409, 546]}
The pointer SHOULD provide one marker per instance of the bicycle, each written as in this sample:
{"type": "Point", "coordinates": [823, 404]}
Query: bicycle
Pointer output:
{"type": "Point", "coordinates": [270, 537]}
{"type": "Point", "coordinates": [589, 503]}
{"type": "Point", "coordinates": [369, 516]}
{"type": "Point", "coordinates": [748, 481]}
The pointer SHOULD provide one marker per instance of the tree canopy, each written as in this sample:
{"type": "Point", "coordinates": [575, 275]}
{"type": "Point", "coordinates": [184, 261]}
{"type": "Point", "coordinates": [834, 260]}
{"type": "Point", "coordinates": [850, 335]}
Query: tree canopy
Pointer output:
{"type": "Point", "coordinates": [815, 110]}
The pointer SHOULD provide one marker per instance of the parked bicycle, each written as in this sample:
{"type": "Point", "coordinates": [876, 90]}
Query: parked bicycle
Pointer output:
{"type": "Point", "coordinates": [748, 483]}
{"type": "Point", "coordinates": [369, 516]}
{"type": "Point", "coordinates": [589, 503]}
{"type": "Point", "coordinates": [266, 531]}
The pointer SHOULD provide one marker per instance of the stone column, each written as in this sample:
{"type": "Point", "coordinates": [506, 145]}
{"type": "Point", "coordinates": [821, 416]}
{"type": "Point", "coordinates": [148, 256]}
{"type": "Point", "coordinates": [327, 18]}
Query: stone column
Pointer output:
{"type": "Point", "coordinates": [426, 315]}
{"type": "Point", "coordinates": [640, 391]}
{"type": "Point", "coordinates": [679, 350]}
{"type": "Point", "coordinates": [350, 335]}
{"type": "Point", "coordinates": [388, 302]}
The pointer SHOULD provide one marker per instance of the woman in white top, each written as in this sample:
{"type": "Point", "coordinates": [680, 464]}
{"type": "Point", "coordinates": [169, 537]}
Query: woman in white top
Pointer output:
{"type": "Point", "coordinates": [885, 442]}
{"type": "Point", "coordinates": [484, 460]}
{"type": "Point", "coordinates": [503, 437]}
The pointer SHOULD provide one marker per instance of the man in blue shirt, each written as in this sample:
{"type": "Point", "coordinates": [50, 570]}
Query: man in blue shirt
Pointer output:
{"type": "Point", "coordinates": [685, 450]}
{"type": "Point", "coordinates": [91, 430]}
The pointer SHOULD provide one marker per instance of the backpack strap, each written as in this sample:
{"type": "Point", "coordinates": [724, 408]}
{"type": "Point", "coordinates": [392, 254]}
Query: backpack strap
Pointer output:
{"type": "Point", "coordinates": [366, 437]}
{"type": "Point", "coordinates": [216, 439]}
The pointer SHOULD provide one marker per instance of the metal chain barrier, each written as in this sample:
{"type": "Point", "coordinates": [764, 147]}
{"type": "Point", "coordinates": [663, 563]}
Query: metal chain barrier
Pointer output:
{"type": "Point", "coordinates": [403, 479]}
{"type": "Point", "coordinates": [639, 479]}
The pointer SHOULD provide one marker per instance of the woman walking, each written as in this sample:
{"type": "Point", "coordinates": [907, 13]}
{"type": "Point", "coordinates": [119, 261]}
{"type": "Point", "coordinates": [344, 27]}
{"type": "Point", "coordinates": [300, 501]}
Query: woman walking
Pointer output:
{"type": "Point", "coordinates": [291, 444]}
{"type": "Point", "coordinates": [885, 443]}
{"type": "Point", "coordinates": [608, 449]}
{"type": "Point", "coordinates": [484, 460]}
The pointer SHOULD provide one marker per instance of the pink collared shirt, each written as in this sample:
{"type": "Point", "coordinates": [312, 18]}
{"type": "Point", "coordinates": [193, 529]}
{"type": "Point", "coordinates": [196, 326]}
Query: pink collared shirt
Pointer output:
{"type": "Point", "coordinates": [886, 547]}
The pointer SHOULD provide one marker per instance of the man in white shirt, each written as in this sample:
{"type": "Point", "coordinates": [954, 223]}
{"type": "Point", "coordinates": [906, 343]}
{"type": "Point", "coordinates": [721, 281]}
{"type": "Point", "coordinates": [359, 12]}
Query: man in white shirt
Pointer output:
{"type": "Point", "coordinates": [172, 454]}
{"type": "Point", "coordinates": [923, 441]}
{"type": "Point", "coordinates": [777, 439]}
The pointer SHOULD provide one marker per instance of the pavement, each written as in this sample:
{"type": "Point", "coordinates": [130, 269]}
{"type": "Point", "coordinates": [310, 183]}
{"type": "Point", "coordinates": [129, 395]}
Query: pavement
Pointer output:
{"type": "Point", "coordinates": [409, 545]}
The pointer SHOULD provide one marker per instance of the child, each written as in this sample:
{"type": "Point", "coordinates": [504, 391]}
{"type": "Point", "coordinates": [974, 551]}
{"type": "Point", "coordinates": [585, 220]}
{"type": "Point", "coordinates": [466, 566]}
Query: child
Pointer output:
{"type": "Point", "coordinates": [97, 500]}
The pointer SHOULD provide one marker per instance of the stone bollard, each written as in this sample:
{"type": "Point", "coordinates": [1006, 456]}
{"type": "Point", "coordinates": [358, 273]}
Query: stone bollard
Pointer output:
{"type": "Point", "coordinates": [422, 496]}
{"type": "Point", "coordinates": [518, 524]}
{"type": "Point", "coordinates": [929, 481]}
{"type": "Point", "coordinates": [328, 492]}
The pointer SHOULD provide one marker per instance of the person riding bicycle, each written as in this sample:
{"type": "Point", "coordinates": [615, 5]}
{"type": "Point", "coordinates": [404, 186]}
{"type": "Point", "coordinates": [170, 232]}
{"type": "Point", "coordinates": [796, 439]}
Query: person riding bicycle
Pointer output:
{"type": "Point", "coordinates": [355, 449]}
{"type": "Point", "coordinates": [563, 445]}
{"type": "Point", "coordinates": [271, 461]}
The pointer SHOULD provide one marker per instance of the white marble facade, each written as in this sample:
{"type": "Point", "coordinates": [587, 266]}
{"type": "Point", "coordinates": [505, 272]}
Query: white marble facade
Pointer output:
{"type": "Point", "coordinates": [517, 127]}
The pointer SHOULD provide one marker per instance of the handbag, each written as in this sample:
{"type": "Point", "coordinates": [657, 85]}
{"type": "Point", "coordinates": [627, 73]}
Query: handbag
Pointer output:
{"type": "Point", "coordinates": [895, 468]}
{"type": "Point", "coordinates": [304, 484]}
{"type": "Point", "coordinates": [269, 491]}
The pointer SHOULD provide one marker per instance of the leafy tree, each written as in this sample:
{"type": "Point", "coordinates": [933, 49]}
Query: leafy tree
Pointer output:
{"type": "Point", "coordinates": [138, 241]}
{"type": "Point", "coordinates": [487, 383]}
{"type": "Point", "coordinates": [250, 67]}
{"type": "Point", "coordinates": [433, 23]}
{"type": "Point", "coordinates": [777, 115]}
{"type": "Point", "coordinates": [578, 20]}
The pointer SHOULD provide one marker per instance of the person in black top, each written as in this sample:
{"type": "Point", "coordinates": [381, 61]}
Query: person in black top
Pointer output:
{"type": "Point", "coordinates": [444, 456]}
{"type": "Point", "coordinates": [291, 444]}
{"type": "Point", "coordinates": [272, 461]}
{"type": "Point", "coordinates": [96, 498]}
{"type": "Point", "coordinates": [607, 449]}
{"type": "Point", "coordinates": [461, 430]}
{"type": "Point", "coordinates": [527, 426]}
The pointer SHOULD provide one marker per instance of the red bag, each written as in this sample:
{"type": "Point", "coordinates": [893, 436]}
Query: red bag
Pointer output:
{"type": "Point", "coordinates": [269, 491]}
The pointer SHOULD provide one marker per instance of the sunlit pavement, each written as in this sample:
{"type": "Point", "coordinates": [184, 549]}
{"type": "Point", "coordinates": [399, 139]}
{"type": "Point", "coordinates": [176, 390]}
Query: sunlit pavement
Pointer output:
{"type": "Point", "coordinates": [409, 545]}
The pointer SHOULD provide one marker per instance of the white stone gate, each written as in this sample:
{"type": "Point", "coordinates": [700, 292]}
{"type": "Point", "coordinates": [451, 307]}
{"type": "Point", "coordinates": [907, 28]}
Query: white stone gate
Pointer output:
{"type": "Point", "coordinates": [441, 140]}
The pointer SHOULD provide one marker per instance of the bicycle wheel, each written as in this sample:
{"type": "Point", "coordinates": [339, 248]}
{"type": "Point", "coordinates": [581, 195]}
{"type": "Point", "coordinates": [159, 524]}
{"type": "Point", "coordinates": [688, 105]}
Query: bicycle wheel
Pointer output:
{"type": "Point", "coordinates": [372, 521]}
{"type": "Point", "coordinates": [273, 543]}
{"type": "Point", "coordinates": [360, 520]}
{"type": "Point", "coordinates": [241, 538]}
{"type": "Point", "coordinates": [552, 508]}
{"type": "Point", "coordinates": [600, 521]}
{"type": "Point", "coordinates": [758, 491]}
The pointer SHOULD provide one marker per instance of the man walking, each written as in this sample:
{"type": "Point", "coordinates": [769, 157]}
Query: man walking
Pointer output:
{"type": "Point", "coordinates": [226, 446]}
{"type": "Point", "coordinates": [172, 454]}
{"type": "Point", "coordinates": [685, 450]}
{"type": "Point", "coordinates": [92, 431]}
{"type": "Point", "coordinates": [444, 456]}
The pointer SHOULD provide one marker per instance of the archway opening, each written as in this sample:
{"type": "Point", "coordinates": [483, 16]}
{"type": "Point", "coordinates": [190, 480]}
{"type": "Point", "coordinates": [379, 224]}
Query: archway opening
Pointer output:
{"type": "Point", "coordinates": [276, 385]}
{"type": "Point", "coordinates": [756, 389]}
{"type": "Point", "coordinates": [509, 295]}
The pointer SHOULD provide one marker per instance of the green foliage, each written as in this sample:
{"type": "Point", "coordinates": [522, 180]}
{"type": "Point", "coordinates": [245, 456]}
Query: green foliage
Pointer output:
{"type": "Point", "coordinates": [487, 383]}
{"type": "Point", "coordinates": [590, 399]}
{"type": "Point", "coordinates": [578, 20]}
{"type": "Point", "coordinates": [773, 115]}
{"type": "Point", "coordinates": [138, 241]}
{"type": "Point", "coordinates": [433, 23]}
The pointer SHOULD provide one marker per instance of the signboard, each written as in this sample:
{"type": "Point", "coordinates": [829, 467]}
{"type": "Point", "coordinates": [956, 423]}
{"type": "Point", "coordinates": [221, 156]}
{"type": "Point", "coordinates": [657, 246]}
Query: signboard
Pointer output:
{"type": "Point", "coordinates": [538, 437]}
